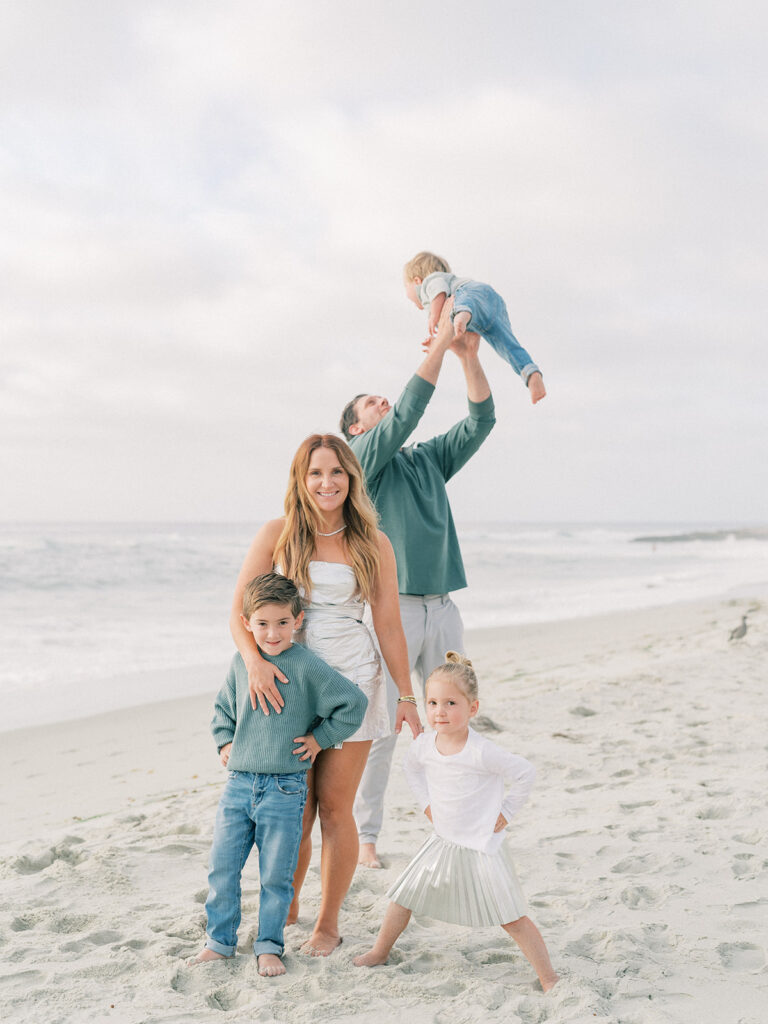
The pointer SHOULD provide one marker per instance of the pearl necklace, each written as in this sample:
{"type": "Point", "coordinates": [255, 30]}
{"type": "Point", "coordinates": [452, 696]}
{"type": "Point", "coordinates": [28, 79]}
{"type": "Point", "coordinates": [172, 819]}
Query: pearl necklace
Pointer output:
{"type": "Point", "coordinates": [333, 532]}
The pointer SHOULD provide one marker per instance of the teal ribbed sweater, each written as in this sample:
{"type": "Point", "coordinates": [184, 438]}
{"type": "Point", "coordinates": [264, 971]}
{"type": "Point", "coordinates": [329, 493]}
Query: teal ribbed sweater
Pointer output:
{"type": "Point", "coordinates": [318, 699]}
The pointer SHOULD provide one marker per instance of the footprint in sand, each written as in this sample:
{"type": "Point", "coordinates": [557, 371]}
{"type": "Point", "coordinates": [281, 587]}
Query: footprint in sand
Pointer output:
{"type": "Point", "coordinates": [742, 957]}
{"type": "Point", "coordinates": [23, 923]}
{"type": "Point", "coordinates": [582, 712]}
{"type": "Point", "coordinates": [640, 897]}
{"type": "Point", "coordinates": [31, 864]}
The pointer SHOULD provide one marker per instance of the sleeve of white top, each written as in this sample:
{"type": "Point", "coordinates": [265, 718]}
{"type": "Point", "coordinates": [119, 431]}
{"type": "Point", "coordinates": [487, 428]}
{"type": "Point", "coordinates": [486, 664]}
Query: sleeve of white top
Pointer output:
{"type": "Point", "coordinates": [518, 775]}
{"type": "Point", "coordinates": [415, 773]}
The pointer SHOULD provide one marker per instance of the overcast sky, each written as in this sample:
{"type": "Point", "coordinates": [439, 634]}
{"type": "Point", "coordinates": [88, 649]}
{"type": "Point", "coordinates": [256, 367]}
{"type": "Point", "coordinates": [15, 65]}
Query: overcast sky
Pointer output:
{"type": "Point", "coordinates": [206, 206]}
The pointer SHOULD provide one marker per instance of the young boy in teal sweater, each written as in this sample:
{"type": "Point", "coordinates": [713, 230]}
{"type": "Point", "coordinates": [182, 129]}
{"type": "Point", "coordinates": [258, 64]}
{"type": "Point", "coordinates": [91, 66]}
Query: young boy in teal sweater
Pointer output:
{"type": "Point", "coordinates": [268, 757]}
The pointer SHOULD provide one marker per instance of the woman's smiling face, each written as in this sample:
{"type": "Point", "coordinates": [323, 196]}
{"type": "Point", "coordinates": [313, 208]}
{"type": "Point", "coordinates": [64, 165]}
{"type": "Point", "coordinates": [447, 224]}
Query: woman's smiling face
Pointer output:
{"type": "Point", "coordinates": [327, 481]}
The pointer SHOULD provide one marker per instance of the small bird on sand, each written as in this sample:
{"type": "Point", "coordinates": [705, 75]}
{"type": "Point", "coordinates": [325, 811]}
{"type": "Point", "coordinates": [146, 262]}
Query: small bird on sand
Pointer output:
{"type": "Point", "coordinates": [740, 631]}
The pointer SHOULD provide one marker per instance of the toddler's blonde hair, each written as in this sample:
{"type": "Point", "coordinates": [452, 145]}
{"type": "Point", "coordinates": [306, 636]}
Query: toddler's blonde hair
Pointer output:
{"type": "Point", "coordinates": [459, 670]}
{"type": "Point", "coordinates": [423, 264]}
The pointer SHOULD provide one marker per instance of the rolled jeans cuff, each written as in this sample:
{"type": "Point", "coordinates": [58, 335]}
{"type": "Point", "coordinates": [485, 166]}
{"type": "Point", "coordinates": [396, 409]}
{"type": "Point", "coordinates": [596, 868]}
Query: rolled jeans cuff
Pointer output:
{"type": "Point", "coordinates": [219, 947]}
{"type": "Point", "coordinates": [266, 946]}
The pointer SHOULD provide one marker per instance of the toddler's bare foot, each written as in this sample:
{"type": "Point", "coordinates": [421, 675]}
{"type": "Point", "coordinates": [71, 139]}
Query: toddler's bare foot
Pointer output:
{"type": "Point", "coordinates": [370, 959]}
{"type": "Point", "coordinates": [205, 956]}
{"type": "Point", "coordinates": [270, 965]}
{"type": "Point", "coordinates": [368, 857]}
{"type": "Point", "coordinates": [461, 322]}
{"type": "Point", "coordinates": [536, 387]}
{"type": "Point", "coordinates": [321, 943]}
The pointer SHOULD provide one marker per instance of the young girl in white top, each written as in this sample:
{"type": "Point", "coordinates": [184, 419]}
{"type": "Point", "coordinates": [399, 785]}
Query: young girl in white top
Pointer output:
{"type": "Point", "coordinates": [464, 873]}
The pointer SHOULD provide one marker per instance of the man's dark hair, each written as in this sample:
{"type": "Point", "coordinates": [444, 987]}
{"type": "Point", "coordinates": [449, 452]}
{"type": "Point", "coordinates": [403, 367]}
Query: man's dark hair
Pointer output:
{"type": "Point", "coordinates": [349, 416]}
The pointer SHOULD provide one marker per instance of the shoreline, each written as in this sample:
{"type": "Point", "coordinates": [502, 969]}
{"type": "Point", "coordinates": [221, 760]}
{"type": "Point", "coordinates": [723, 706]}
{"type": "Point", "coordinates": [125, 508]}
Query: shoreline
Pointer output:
{"type": "Point", "coordinates": [195, 677]}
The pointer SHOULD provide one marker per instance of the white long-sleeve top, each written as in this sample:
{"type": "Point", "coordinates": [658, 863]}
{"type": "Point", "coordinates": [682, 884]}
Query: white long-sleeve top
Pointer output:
{"type": "Point", "coordinates": [466, 791]}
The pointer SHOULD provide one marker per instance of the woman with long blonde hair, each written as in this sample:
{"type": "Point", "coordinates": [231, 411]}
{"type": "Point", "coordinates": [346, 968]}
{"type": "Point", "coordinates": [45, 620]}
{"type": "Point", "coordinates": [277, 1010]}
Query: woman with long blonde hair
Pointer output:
{"type": "Point", "coordinates": [329, 544]}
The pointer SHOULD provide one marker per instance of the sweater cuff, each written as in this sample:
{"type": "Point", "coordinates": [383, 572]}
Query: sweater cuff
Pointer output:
{"type": "Point", "coordinates": [221, 738]}
{"type": "Point", "coordinates": [325, 736]}
{"type": "Point", "coordinates": [482, 410]}
{"type": "Point", "coordinates": [420, 389]}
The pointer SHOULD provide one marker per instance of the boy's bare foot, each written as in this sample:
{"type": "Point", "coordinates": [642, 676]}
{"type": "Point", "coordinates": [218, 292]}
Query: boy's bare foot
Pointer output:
{"type": "Point", "coordinates": [206, 956]}
{"type": "Point", "coordinates": [368, 857]}
{"type": "Point", "coordinates": [536, 387]}
{"type": "Point", "coordinates": [550, 982]}
{"type": "Point", "coordinates": [321, 944]}
{"type": "Point", "coordinates": [270, 965]}
{"type": "Point", "coordinates": [461, 322]}
{"type": "Point", "coordinates": [369, 959]}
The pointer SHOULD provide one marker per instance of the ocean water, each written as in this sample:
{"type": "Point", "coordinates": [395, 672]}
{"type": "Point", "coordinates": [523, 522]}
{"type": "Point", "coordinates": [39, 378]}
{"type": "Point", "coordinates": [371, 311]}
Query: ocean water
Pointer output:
{"type": "Point", "coordinates": [94, 617]}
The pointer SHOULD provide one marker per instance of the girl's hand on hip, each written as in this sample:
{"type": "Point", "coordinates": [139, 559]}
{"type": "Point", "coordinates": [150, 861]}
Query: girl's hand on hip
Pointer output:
{"type": "Point", "coordinates": [408, 713]}
{"type": "Point", "coordinates": [501, 824]}
{"type": "Point", "coordinates": [263, 677]}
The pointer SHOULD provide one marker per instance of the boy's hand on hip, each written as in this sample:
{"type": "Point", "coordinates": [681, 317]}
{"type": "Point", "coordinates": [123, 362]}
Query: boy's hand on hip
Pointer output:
{"type": "Point", "coordinates": [308, 748]}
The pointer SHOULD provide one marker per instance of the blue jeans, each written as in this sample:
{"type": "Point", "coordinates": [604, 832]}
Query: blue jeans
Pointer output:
{"type": "Point", "coordinates": [489, 318]}
{"type": "Point", "coordinates": [264, 810]}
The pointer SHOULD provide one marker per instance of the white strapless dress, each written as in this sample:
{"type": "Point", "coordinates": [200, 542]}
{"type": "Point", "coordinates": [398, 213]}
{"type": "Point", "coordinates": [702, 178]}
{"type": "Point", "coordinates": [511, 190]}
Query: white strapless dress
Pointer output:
{"type": "Point", "coordinates": [333, 630]}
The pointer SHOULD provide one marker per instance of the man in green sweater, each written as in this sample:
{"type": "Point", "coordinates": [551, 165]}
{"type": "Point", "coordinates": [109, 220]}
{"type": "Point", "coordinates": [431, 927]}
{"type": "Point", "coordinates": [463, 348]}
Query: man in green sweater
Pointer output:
{"type": "Point", "coordinates": [407, 486]}
{"type": "Point", "coordinates": [268, 757]}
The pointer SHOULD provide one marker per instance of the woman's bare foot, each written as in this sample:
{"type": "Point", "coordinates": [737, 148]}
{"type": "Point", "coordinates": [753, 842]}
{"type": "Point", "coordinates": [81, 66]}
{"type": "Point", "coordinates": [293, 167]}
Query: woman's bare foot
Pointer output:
{"type": "Point", "coordinates": [205, 956]}
{"type": "Point", "coordinates": [370, 959]}
{"type": "Point", "coordinates": [367, 857]}
{"type": "Point", "coordinates": [270, 965]}
{"type": "Point", "coordinates": [550, 982]}
{"type": "Point", "coordinates": [321, 944]}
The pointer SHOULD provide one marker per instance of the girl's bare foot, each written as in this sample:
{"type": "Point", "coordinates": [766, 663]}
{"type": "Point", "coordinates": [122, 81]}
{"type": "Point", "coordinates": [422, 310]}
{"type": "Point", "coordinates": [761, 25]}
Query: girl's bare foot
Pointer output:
{"type": "Point", "coordinates": [370, 959]}
{"type": "Point", "coordinates": [205, 956]}
{"type": "Point", "coordinates": [367, 857]}
{"type": "Point", "coordinates": [270, 965]}
{"type": "Point", "coordinates": [321, 944]}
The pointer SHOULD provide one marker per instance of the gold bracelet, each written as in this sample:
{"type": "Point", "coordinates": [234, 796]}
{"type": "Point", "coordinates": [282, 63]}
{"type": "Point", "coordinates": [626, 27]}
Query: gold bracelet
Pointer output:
{"type": "Point", "coordinates": [409, 699]}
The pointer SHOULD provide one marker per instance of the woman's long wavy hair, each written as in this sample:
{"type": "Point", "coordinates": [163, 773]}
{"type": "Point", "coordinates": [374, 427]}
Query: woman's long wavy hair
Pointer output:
{"type": "Point", "coordinates": [296, 544]}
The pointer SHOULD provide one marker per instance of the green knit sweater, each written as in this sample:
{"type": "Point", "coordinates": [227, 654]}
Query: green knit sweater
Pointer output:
{"type": "Point", "coordinates": [407, 486]}
{"type": "Point", "coordinates": [318, 699]}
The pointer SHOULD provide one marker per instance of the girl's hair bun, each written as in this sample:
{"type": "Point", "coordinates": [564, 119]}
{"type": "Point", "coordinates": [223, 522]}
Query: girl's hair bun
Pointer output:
{"type": "Point", "coordinates": [454, 658]}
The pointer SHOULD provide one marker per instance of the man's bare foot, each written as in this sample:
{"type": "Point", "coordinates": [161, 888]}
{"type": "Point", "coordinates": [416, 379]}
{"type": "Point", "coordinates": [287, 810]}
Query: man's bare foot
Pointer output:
{"type": "Point", "coordinates": [550, 982]}
{"type": "Point", "coordinates": [461, 322]}
{"type": "Point", "coordinates": [321, 944]}
{"type": "Point", "coordinates": [370, 959]}
{"type": "Point", "coordinates": [536, 387]}
{"type": "Point", "coordinates": [368, 857]}
{"type": "Point", "coordinates": [270, 965]}
{"type": "Point", "coordinates": [205, 956]}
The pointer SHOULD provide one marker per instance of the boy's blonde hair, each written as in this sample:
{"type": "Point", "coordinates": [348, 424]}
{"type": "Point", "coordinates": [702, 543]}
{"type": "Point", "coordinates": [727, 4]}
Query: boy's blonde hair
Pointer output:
{"type": "Point", "coordinates": [459, 670]}
{"type": "Point", "coordinates": [271, 588]}
{"type": "Point", "coordinates": [423, 264]}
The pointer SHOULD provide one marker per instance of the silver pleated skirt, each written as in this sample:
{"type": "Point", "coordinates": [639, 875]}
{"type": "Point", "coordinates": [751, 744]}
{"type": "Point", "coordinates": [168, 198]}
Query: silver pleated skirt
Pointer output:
{"type": "Point", "coordinates": [461, 886]}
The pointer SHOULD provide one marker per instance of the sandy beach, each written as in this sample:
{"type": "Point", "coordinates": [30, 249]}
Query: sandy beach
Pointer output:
{"type": "Point", "coordinates": [642, 851]}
